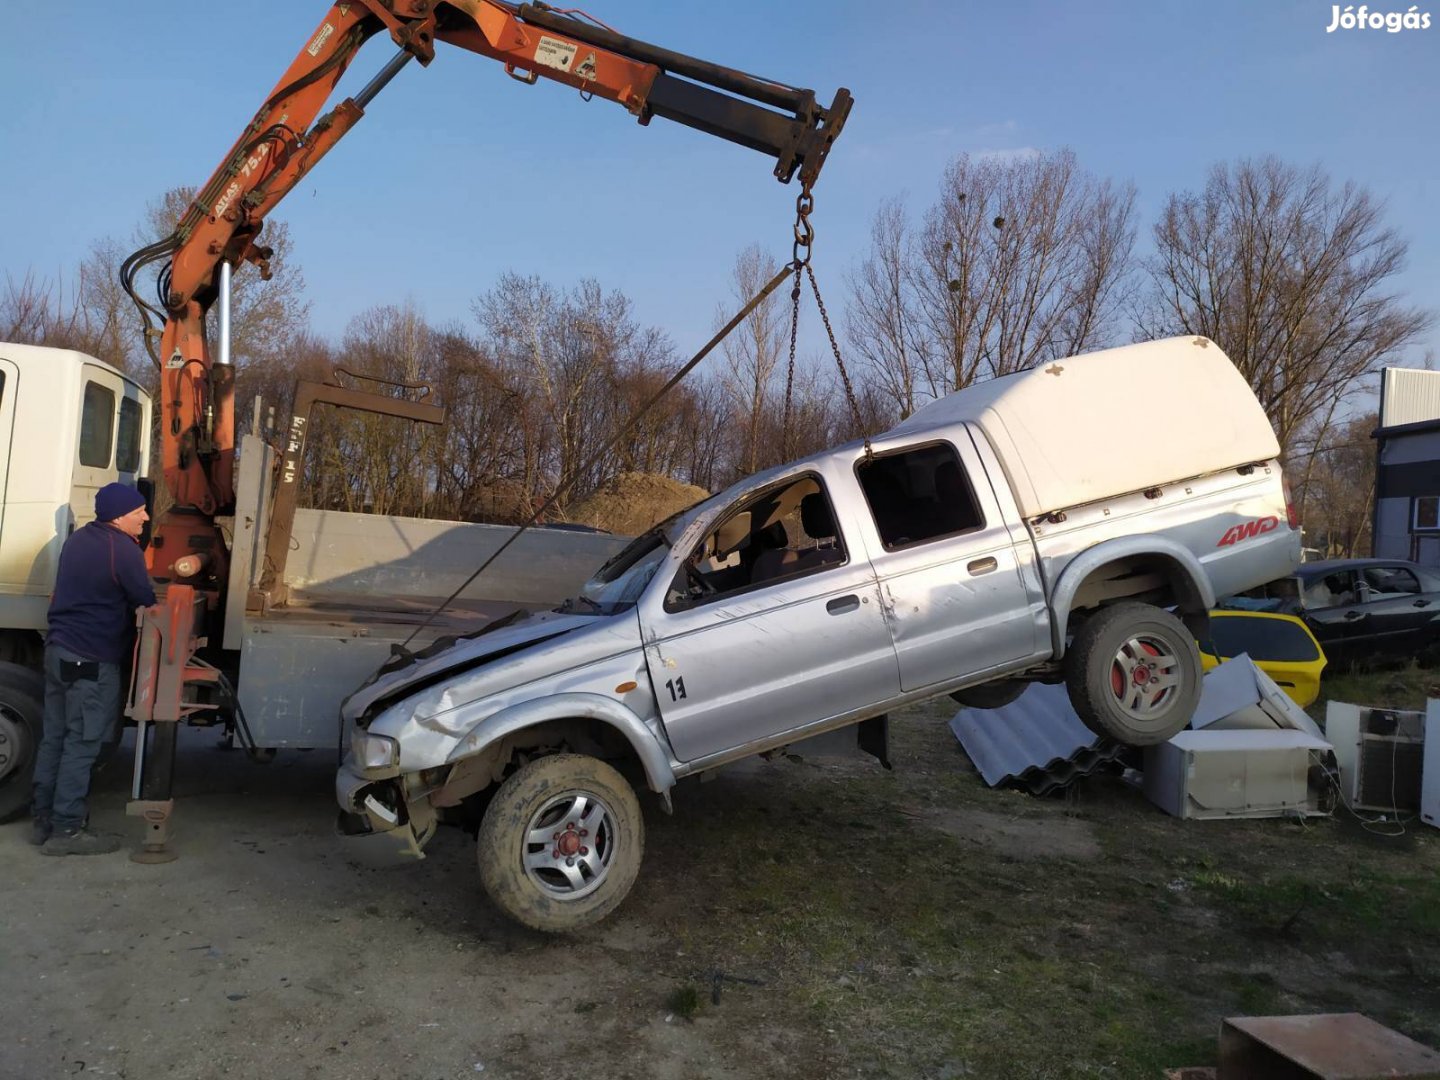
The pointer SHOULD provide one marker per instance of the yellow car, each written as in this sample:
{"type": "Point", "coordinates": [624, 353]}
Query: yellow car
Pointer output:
{"type": "Point", "coordinates": [1281, 646]}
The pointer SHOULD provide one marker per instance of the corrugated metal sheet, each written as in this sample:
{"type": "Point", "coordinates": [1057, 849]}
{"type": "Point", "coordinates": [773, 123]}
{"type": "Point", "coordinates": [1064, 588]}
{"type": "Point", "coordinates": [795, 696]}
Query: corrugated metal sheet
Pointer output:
{"type": "Point", "coordinates": [1409, 396]}
{"type": "Point", "coordinates": [1036, 742]}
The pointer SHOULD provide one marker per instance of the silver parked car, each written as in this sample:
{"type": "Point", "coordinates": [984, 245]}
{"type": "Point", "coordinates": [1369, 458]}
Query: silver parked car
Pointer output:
{"type": "Point", "coordinates": [1034, 527]}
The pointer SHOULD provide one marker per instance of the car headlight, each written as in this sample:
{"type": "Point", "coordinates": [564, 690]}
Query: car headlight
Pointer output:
{"type": "Point", "coordinates": [374, 751]}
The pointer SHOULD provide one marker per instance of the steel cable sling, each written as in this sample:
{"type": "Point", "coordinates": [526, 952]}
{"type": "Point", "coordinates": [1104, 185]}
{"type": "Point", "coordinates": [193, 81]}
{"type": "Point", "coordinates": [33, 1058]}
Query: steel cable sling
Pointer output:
{"type": "Point", "coordinates": [800, 262]}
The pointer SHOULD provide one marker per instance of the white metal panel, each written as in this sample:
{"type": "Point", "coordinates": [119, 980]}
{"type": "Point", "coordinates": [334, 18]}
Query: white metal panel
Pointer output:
{"type": "Point", "coordinates": [1409, 396]}
{"type": "Point", "coordinates": [1342, 728]}
{"type": "Point", "coordinates": [1224, 774]}
{"type": "Point", "coordinates": [338, 553]}
{"type": "Point", "coordinates": [43, 388]}
{"type": "Point", "coordinates": [37, 489]}
{"type": "Point", "coordinates": [1072, 431]}
{"type": "Point", "coordinates": [1430, 777]}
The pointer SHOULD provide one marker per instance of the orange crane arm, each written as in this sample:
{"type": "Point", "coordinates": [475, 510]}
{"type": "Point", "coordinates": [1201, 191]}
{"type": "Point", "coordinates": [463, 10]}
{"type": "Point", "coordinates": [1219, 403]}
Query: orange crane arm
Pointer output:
{"type": "Point", "coordinates": [288, 136]}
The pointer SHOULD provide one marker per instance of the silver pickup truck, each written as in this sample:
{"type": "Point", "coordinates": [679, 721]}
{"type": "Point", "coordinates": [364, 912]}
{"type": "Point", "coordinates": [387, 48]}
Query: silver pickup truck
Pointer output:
{"type": "Point", "coordinates": [1070, 523]}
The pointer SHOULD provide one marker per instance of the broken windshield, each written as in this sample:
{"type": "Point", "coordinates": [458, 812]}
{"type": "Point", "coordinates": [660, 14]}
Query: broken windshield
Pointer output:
{"type": "Point", "coordinates": [618, 584]}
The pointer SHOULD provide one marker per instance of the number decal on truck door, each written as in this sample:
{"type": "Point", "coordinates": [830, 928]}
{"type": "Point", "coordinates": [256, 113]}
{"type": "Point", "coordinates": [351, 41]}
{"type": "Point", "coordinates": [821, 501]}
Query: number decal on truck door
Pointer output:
{"type": "Point", "coordinates": [676, 688]}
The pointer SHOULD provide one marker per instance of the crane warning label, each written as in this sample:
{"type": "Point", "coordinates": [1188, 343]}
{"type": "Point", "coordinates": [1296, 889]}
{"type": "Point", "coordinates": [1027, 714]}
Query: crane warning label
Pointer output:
{"type": "Point", "coordinates": [555, 54]}
{"type": "Point", "coordinates": [320, 38]}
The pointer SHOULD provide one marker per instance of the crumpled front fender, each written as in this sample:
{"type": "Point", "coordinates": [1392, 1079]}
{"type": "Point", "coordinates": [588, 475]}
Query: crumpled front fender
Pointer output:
{"type": "Point", "coordinates": [496, 726]}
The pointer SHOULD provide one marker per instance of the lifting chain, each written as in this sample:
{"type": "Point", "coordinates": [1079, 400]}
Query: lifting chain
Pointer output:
{"type": "Point", "coordinates": [800, 262]}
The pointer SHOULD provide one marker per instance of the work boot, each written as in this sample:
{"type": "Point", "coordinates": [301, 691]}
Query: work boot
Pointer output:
{"type": "Point", "coordinates": [79, 842]}
{"type": "Point", "coordinates": [40, 830]}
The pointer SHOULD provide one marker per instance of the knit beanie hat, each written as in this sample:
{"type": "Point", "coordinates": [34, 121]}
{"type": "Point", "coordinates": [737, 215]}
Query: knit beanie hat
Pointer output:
{"type": "Point", "coordinates": [116, 500]}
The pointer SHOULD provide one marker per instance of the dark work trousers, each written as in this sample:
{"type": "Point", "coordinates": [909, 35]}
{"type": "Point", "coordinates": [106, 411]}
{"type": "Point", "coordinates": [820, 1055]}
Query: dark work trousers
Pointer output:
{"type": "Point", "coordinates": [82, 708]}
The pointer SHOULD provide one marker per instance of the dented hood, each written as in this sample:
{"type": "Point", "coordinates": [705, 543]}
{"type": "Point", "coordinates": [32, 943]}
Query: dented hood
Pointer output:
{"type": "Point", "coordinates": [403, 674]}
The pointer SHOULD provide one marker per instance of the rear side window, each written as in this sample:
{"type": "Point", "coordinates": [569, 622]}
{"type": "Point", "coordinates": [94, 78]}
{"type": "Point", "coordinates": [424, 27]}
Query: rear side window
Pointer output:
{"type": "Point", "coordinates": [1261, 639]}
{"type": "Point", "coordinates": [919, 495]}
{"type": "Point", "coordinates": [97, 426]}
{"type": "Point", "coordinates": [127, 442]}
{"type": "Point", "coordinates": [1387, 581]}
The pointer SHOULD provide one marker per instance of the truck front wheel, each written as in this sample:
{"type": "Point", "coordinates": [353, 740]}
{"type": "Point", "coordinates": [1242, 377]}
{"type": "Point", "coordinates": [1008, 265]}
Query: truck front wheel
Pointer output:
{"type": "Point", "coordinates": [22, 712]}
{"type": "Point", "coordinates": [1133, 673]}
{"type": "Point", "coordinates": [560, 844]}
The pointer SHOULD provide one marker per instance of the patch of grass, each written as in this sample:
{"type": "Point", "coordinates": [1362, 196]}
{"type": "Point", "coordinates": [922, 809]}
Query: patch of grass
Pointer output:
{"type": "Point", "coordinates": [1394, 688]}
{"type": "Point", "coordinates": [1258, 994]}
{"type": "Point", "coordinates": [684, 1001]}
{"type": "Point", "coordinates": [924, 952]}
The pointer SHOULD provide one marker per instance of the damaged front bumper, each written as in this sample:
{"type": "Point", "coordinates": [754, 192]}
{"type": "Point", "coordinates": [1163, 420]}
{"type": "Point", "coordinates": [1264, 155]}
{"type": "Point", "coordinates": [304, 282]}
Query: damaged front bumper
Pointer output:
{"type": "Point", "coordinates": [380, 827]}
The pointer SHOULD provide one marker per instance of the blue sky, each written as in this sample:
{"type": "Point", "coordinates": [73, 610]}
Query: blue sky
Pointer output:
{"type": "Point", "coordinates": [458, 174]}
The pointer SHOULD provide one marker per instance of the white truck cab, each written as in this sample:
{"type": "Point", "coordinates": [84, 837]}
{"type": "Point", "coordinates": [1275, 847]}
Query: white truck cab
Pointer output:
{"type": "Point", "coordinates": [69, 425]}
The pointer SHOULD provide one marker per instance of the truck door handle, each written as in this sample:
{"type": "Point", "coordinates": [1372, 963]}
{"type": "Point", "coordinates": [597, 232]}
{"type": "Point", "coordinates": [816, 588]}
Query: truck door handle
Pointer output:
{"type": "Point", "coordinates": [983, 566]}
{"type": "Point", "coordinates": [1351, 616]}
{"type": "Point", "coordinates": [1421, 603]}
{"type": "Point", "coordinates": [842, 604]}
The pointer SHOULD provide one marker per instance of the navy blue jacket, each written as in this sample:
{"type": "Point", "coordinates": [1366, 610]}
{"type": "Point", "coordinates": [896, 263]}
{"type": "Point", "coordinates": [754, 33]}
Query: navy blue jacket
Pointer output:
{"type": "Point", "coordinates": [101, 581]}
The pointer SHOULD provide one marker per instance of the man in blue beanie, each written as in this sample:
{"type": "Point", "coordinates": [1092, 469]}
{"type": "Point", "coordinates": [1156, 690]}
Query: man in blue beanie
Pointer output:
{"type": "Point", "coordinates": [101, 581]}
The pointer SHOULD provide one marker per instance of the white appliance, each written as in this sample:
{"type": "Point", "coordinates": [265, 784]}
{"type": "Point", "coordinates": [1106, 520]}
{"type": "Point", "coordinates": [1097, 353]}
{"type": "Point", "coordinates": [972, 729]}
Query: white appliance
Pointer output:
{"type": "Point", "coordinates": [1380, 754]}
{"type": "Point", "coordinates": [1430, 783]}
{"type": "Point", "coordinates": [1238, 773]}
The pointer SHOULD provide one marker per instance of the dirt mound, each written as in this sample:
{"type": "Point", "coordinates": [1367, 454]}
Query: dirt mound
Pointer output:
{"type": "Point", "coordinates": [633, 502]}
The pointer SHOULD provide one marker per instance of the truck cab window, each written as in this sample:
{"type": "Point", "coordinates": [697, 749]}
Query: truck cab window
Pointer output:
{"type": "Point", "coordinates": [127, 441]}
{"type": "Point", "coordinates": [919, 494]}
{"type": "Point", "coordinates": [97, 426]}
{"type": "Point", "coordinates": [784, 532]}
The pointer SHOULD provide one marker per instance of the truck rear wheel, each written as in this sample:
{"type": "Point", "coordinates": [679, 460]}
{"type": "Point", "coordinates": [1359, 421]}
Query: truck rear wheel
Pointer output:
{"type": "Point", "coordinates": [1133, 673]}
{"type": "Point", "coordinates": [560, 844]}
{"type": "Point", "coordinates": [22, 714]}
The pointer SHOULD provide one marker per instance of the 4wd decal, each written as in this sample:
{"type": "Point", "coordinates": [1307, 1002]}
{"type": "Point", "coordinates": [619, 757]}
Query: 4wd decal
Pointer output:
{"type": "Point", "coordinates": [1245, 531]}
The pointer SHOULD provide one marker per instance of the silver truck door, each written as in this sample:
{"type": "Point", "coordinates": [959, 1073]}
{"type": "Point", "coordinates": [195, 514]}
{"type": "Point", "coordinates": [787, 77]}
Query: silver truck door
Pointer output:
{"type": "Point", "coordinates": [770, 622]}
{"type": "Point", "coordinates": [947, 566]}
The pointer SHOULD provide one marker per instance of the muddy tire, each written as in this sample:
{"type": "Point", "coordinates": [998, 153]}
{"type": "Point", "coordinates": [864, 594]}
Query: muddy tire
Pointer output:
{"type": "Point", "coordinates": [22, 715]}
{"type": "Point", "coordinates": [1133, 674]}
{"type": "Point", "coordinates": [561, 842]}
{"type": "Point", "coordinates": [991, 695]}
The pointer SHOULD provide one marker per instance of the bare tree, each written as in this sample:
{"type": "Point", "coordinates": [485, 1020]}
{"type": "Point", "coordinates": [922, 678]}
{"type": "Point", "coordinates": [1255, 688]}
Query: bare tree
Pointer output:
{"type": "Point", "coordinates": [1020, 261]}
{"type": "Point", "coordinates": [108, 312]}
{"type": "Point", "coordinates": [1337, 492]}
{"type": "Point", "coordinates": [1291, 276]}
{"type": "Point", "coordinates": [752, 352]}
{"type": "Point", "coordinates": [89, 315]}
{"type": "Point", "coordinates": [883, 323]}
{"type": "Point", "coordinates": [389, 458]}
{"type": "Point", "coordinates": [35, 311]}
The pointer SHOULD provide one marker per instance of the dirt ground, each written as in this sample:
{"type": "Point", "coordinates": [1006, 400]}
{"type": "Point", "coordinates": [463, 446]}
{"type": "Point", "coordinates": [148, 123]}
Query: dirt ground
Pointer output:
{"type": "Point", "coordinates": [794, 919]}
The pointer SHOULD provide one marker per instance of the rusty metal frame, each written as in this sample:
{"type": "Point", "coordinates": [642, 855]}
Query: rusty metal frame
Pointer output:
{"type": "Point", "coordinates": [308, 394]}
{"type": "Point", "coordinates": [170, 634]}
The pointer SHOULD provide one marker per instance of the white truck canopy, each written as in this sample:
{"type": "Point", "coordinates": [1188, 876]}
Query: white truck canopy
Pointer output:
{"type": "Point", "coordinates": [1107, 423]}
